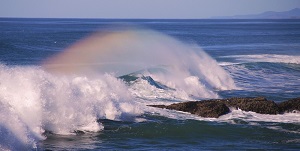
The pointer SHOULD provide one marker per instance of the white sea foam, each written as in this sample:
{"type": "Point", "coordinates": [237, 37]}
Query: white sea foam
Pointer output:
{"type": "Point", "coordinates": [227, 63]}
{"type": "Point", "coordinates": [189, 89]}
{"type": "Point", "coordinates": [235, 114]}
{"type": "Point", "coordinates": [32, 101]}
{"type": "Point", "coordinates": [274, 58]}
{"type": "Point", "coordinates": [256, 117]}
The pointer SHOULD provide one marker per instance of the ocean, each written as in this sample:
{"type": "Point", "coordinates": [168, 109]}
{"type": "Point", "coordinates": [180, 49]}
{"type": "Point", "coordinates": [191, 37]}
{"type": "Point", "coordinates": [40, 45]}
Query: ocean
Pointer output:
{"type": "Point", "coordinates": [84, 84]}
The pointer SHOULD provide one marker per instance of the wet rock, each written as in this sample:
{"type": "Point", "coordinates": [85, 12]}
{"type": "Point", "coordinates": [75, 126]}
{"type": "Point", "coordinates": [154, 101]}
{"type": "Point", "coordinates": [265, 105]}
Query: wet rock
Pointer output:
{"type": "Point", "coordinates": [259, 105]}
{"type": "Point", "coordinates": [211, 109]}
{"type": "Point", "coordinates": [206, 108]}
{"type": "Point", "coordinates": [158, 106]}
{"type": "Point", "coordinates": [218, 107]}
{"type": "Point", "coordinates": [292, 105]}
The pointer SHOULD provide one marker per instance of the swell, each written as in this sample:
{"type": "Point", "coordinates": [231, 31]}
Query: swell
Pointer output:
{"type": "Point", "coordinates": [160, 132]}
{"type": "Point", "coordinates": [267, 78]}
{"type": "Point", "coordinates": [271, 58]}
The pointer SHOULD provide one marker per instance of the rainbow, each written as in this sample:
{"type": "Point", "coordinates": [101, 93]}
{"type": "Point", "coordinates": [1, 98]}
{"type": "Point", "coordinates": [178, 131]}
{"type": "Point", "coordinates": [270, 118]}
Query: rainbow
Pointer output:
{"type": "Point", "coordinates": [122, 52]}
{"type": "Point", "coordinates": [118, 52]}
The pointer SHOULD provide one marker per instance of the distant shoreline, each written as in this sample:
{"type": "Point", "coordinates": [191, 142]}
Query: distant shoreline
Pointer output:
{"type": "Point", "coordinates": [290, 14]}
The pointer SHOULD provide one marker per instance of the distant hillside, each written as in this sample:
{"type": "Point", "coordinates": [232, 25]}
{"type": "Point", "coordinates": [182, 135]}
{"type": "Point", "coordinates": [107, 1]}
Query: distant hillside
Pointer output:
{"type": "Point", "coordinates": [291, 14]}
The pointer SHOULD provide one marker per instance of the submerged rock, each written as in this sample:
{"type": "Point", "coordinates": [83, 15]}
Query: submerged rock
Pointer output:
{"type": "Point", "coordinates": [218, 107]}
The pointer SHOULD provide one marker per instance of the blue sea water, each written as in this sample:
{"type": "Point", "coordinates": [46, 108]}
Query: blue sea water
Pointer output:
{"type": "Point", "coordinates": [40, 110]}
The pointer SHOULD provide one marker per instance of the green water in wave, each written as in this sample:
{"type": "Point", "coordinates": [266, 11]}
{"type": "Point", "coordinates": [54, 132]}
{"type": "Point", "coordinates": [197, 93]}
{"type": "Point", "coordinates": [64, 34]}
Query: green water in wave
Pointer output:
{"type": "Point", "coordinates": [160, 132]}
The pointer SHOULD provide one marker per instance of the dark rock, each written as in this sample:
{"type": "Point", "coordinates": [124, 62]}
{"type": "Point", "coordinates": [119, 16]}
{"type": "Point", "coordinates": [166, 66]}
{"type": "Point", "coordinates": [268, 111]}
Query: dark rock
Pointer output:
{"type": "Point", "coordinates": [218, 107]}
{"type": "Point", "coordinates": [185, 106]}
{"type": "Point", "coordinates": [211, 109]}
{"type": "Point", "coordinates": [158, 106]}
{"type": "Point", "coordinates": [201, 108]}
{"type": "Point", "coordinates": [259, 105]}
{"type": "Point", "coordinates": [290, 105]}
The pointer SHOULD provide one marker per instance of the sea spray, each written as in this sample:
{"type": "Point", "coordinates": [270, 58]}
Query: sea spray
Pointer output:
{"type": "Point", "coordinates": [33, 101]}
{"type": "Point", "coordinates": [125, 51]}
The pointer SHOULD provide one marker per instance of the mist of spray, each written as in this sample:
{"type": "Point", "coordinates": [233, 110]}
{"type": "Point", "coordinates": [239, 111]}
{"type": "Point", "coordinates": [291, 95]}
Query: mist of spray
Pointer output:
{"type": "Point", "coordinates": [126, 51]}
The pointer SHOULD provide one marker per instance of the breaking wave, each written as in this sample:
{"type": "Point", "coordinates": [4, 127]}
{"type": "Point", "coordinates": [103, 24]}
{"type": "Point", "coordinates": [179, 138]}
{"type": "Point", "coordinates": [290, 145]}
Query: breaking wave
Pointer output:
{"type": "Point", "coordinates": [70, 91]}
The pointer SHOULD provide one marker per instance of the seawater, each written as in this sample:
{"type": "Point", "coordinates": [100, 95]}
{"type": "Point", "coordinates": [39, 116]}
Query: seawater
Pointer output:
{"type": "Point", "coordinates": [92, 108]}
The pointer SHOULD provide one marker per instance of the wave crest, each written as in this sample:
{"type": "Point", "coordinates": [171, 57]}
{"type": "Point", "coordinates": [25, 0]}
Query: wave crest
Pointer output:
{"type": "Point", "coordinates": [33, 101]}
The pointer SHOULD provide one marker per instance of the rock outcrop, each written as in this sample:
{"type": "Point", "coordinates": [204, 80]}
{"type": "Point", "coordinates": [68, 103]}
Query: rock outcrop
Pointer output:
{"type": "Point", "coordinates": [217, 107]}
{"type": "Point", "coordinates": [201, 108]}
{"type": "Point", "coordinates": [259, 105]}
{"type": "Point", "coordinates": [292, 105]}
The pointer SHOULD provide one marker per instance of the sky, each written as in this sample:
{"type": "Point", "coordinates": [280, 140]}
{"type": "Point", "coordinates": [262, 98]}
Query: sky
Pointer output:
{"type": "Point", "coordinates": [139, 9]}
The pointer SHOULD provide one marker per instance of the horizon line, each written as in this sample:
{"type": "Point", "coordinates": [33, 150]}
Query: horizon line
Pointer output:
{"type": "Point", "coordinates": [211, 18]}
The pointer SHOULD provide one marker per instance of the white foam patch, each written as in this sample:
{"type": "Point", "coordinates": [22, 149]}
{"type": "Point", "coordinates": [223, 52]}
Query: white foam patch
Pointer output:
{"type": "Point", "coordinates": [256, 117]}
{"type": "Point", "coordinates": [227, 63]}
{"type": "Point", "coordinates": [184, 91]}
{"type": "Point", "coordinates": [251, 118]}
{"type": "Point", "coordinates": [274, 58]}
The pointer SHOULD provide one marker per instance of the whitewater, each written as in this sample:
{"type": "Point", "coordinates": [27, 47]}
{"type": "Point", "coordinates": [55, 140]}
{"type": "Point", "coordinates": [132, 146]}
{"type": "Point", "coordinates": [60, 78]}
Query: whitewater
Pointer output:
{"type": "Point", "coordinates": [66, 103]}
{"type": "Point", "coordinates": [113, 74]}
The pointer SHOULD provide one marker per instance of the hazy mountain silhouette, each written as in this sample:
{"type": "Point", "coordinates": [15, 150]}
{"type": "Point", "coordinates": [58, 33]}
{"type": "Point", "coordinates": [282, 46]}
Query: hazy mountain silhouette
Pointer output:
{"type": "Point", "coordinates": [291, 14]}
